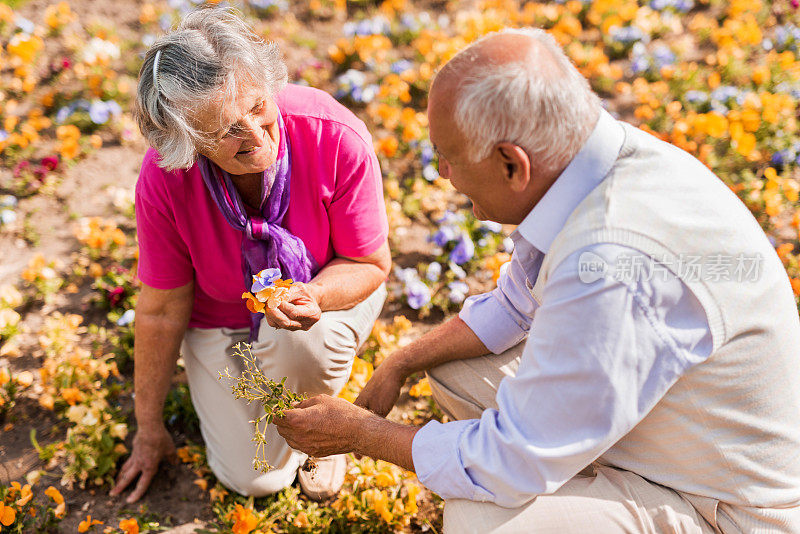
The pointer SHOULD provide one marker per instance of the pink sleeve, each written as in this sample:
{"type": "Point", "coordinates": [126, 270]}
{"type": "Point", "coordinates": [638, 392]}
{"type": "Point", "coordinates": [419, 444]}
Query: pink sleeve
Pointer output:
{"type": "Point", "coordinates": [357, 211]}
{"type": "Point", "coordinates": [164, 260]}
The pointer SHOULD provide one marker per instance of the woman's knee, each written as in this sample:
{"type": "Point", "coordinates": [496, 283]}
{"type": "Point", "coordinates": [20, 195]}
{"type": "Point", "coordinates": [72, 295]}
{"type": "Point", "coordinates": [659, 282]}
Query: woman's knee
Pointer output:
{"type": "Point", "coordinates": [314, 361]}
{"type": "Point", "coordinates": [249, 482]}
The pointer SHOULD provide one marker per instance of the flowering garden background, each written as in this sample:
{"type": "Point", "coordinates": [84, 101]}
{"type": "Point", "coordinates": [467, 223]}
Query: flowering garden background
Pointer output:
{"type": "Point", "coordinates": [720, 79]}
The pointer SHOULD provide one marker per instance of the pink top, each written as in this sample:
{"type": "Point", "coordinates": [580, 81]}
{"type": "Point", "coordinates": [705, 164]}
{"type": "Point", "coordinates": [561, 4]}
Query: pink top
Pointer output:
{"type": "Point", "coordinates": [336, 207]}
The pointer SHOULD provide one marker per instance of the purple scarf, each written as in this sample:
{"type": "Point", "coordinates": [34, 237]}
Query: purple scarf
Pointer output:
{"type": "Point", "coordinates": [266, 243]}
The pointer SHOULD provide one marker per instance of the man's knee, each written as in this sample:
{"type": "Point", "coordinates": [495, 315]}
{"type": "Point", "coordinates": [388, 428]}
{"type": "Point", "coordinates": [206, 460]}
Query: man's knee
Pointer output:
{"type": "Point", "coordinates": [462, 516]}
{"type": "Point", "coordinates": [445, 374]}
{"type": "Point", "coordinates": [449, 394]}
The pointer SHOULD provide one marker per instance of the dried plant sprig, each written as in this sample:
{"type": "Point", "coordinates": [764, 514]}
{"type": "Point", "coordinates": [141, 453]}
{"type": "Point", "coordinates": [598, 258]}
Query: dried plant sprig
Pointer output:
{"type": "Point", "coordinates": [253, 386]}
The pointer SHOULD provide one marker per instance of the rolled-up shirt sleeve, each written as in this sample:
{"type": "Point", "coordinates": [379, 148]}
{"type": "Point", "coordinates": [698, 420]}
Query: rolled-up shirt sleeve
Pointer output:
{"type": "Point", "coordinates": [600, 356]}
{"type": "Point", "coordinates": [502, 317]}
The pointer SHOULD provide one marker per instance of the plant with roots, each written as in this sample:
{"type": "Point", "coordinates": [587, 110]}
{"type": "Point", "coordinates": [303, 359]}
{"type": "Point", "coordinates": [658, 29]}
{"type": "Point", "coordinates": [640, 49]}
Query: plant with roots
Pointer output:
{"type": "Point", "coordinates": [253, 386]}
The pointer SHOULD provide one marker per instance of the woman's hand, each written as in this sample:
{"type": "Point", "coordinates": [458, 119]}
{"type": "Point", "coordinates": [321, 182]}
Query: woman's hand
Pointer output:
{"type": "Point", "coordinates": [149, 448]}
{"type": "Point", "coordinates": [383, 389]}
{"type": "Point", "coordinates": [299, 311]}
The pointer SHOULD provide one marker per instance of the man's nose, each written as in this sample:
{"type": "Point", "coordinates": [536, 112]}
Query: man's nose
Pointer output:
{"type": "Point", "coordinates": [443, 169]}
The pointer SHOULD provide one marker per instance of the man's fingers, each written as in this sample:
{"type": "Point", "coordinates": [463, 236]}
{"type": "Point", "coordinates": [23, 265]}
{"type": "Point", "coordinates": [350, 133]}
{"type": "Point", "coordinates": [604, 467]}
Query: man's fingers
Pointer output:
{"type": "Point", "coordinates": [144, 482]}
{"type": "Point", "coordinates": [365, 398]}
{"type": "Point", "coordinates": [306, 403]}
{"type": "Point", "coordinates": [289, 440]}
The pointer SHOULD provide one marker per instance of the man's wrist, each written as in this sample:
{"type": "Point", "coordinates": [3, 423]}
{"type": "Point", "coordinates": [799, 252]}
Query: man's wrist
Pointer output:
{"type": "Point", "coordinates": [407, 361]}
{"type": "Point", "coordinates": [382, 439]}
{"type": "Point", "coordinates": [363, 432]}
{"type": "Point", "coordinates": [371, 433]}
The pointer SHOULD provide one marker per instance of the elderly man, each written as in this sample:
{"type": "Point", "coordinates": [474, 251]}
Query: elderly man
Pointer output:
{"type": "Point", "coordinates": [637, 367]}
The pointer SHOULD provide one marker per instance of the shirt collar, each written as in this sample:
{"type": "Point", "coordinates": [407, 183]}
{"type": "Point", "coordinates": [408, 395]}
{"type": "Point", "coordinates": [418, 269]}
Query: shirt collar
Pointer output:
{"type": "Point", "coordinates": [586, 170]}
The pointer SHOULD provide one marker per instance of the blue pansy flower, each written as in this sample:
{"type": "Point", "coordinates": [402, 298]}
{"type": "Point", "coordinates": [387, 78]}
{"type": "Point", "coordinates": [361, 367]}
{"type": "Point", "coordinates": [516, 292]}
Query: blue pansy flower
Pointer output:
{"type": "Point", "coordinates": [492, 226]}
{"type": "Point", "coordinates": [126, 318]}
{"type": "Point", "coordinates": [426, 153]}
{"type": "Point", "coordinates": [264, 279]}
{"type": "Point", "coordinates": [7, 216]}
{"type": "Point", "coordinates": [99, 112]}
{"type": "Point", "coordinates": [24, 24]}
{"type": "Point", "coordinates": [417, 294]}
{"type": "Point", "coordinates": [401, 65]}
{"type": "Point", "coordinates": [430, 173]}
{"type": "Point", "coordinates": [696, 97]}
{"type": "Point", "coordinates": [464, 251]}
{"type": "Point", "coordinates": [458, 291]}
{"type": "Point", "coordinates": [444, 235]}
{"type": "Point", "coordinates": [433, 271]}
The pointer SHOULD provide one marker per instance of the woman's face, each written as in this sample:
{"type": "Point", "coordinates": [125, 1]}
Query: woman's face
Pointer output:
{"type": "Point", "coordinates": [244, 136]}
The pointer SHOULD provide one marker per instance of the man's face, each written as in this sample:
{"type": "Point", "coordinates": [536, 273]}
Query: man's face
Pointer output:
{"type": "Point", "coordinates": [480, 181]}
{"type": "Point", "coordinates": [245, 135]}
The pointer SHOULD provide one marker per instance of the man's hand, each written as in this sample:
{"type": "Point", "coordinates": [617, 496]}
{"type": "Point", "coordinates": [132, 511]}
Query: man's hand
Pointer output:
{"type": "Point", "coordinates": [299, 311]}
{"type": "Point", "coordinates": [149, 448]}
{"type": "Point", "coordinates": [322, 426]}
{"type": "Point", "coordinates": [381, 392]}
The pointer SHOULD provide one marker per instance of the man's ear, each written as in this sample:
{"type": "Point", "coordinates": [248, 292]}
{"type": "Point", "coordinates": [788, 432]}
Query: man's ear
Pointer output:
{"type": "Point", "coordinates": [516, 165]}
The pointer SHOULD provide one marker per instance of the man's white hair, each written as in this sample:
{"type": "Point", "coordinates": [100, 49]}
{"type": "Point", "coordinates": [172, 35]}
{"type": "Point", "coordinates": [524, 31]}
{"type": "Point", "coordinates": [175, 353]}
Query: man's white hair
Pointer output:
{"type": "Point", "coordinates": [540, 103]}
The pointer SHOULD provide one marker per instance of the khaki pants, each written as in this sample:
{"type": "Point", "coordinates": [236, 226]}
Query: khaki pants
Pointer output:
{"type": "Point", "coordinates": [314, 362]}
{"type": "Point", "coordinates": [600, 499]}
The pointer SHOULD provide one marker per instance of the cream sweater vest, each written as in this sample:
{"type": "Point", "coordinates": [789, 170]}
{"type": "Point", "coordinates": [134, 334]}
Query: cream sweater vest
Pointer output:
{"type": "Point", "coordinates": [729, 429]}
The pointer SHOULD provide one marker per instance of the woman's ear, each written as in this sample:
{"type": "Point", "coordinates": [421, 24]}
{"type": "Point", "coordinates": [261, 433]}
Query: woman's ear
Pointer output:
{"type": "Point", "coordinates": [516, 165]}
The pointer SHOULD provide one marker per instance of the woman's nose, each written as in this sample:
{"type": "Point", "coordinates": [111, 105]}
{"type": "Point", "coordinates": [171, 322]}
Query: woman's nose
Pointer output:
{"type": "Point", "coordinates": [253, 131]}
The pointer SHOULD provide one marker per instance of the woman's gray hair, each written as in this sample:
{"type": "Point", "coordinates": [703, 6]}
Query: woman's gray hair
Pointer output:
{"type": "Point", "coordinates": [542, 103]}
{"type": "Point", "coordinates": [207, 58]}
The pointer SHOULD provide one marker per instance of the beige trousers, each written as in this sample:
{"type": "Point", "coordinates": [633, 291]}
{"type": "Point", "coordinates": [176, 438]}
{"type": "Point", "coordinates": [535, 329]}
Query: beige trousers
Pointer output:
{"type": "Point", "coordinates": [314, 362]}
{"type": "Point", "coordinates": [600, 499]}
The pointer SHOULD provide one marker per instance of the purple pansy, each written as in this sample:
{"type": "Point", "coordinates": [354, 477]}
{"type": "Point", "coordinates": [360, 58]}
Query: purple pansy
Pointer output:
{"type": "Point", "coordinates": [418, 294]}
{"type": "Point", "coordinates": [464, 251]}
{"type": "Point", "coordinates": [264, 279]}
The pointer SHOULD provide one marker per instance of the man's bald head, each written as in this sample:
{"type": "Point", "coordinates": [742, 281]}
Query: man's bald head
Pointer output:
{"type": "Point", "coordinates": [517, 86]}
{"type": "Point", "coordinates": [496, 49]}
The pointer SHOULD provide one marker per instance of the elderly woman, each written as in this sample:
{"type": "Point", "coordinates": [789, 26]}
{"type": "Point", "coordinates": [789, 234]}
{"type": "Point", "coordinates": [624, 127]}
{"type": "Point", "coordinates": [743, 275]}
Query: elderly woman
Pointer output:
{"type": "Point", "coordinates": [246, 173]}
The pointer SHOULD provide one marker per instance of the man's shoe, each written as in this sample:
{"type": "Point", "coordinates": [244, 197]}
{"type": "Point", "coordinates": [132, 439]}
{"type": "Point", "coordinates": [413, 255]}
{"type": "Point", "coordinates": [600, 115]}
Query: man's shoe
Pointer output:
{"type": "Point", "coordinates": [325, 480]}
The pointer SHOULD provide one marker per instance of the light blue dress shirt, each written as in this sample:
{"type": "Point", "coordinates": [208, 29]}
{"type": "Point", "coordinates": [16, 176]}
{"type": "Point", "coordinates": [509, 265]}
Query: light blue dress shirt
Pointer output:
{"type": "Point", "coordinates": [599, 356]}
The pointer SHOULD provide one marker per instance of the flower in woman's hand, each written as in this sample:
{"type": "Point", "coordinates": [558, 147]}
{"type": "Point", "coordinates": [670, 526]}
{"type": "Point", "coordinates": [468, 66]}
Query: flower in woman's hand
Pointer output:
{"type": "Point", "coordinates": [265, 279]}
{"type": "Point", "coordinates": [253, 304]}
{"type": "Point", "coordinates": [268, 290]}
{"type": "Point", "coordinates": [275, 295]}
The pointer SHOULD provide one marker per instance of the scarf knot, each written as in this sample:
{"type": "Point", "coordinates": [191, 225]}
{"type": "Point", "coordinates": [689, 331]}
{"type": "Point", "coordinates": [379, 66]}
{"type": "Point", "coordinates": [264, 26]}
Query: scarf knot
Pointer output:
{"type": "Point", "coordinates": [257, 228]}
